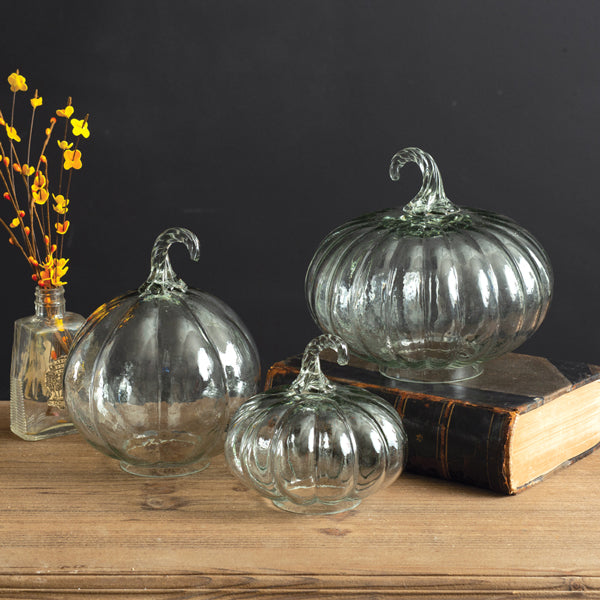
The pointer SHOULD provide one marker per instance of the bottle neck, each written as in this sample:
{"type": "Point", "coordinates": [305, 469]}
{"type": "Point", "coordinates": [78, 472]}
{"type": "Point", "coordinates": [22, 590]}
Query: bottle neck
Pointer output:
{"type": "Point", "coordinates": [50, 303]}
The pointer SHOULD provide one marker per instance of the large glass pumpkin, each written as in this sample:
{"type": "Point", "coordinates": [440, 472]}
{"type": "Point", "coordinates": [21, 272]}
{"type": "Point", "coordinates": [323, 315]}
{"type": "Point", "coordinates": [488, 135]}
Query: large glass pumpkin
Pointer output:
{"type": "Point", "coordinates": [431, 290]}
{"type": "Point", "coordinates": [316, 447]}
{"type": "Point", "coordinates": [155, 374]}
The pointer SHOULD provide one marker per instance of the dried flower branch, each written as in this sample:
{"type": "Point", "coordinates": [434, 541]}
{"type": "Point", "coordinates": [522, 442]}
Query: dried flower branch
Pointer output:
{"type": "Point", "coordinates": [41, 223]}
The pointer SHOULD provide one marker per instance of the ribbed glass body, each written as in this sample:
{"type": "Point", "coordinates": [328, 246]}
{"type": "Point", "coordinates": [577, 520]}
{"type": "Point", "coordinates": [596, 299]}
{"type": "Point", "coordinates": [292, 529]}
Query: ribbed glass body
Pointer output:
{"type": "Point", "coordinates": [40, 345]}
{"type": "Point", "coordinates": [316, 447]}
{"type": "Point", "coordinates": [156, 374]}
{"type": "Point", "coordinates": [432, 290]}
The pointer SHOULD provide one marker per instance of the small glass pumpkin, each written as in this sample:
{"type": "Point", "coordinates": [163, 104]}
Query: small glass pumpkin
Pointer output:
{"type": "Point", "coordinates": [155, 374]}
{"type": "Point", "coordinates": [316, 447]}
{"type": "Point", "coordinates": [429, 291]}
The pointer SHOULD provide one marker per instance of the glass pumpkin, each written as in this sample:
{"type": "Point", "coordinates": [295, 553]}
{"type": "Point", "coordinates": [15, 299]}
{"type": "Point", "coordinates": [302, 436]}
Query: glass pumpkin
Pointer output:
{"type": "Point", "coordinates": [316, 447]}
{"type": "Point", "coordinates": [431, 290]}
{"type": "Point", "coordinates": [155, 374]}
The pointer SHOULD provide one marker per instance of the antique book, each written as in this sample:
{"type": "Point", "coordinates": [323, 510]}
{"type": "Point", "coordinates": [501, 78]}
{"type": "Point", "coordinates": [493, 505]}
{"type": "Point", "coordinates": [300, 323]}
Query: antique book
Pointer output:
{"type": "Point", "coordinates": [523, 418]}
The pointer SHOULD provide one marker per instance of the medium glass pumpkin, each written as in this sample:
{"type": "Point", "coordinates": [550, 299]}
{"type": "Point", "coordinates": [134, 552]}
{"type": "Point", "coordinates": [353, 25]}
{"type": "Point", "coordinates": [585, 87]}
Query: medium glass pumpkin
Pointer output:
{"type": "Point", "coordinates": [431, 290]}
{"type": "Point", "coordinates": [316, 447]}
{"type": "Point", "coordinates": [155, 374]}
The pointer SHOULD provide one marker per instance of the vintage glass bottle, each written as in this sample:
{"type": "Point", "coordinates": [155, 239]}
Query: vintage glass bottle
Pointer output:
{"type": "Point", "coordinates": [40, 347]}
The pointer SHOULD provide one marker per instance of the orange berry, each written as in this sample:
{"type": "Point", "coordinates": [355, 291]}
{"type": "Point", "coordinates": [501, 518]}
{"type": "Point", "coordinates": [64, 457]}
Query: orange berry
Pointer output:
{"type": "Point", "coordinates": [21, 213]}
{"type": "Point", "coordinates": [53, 120]}
{"type": "Point", "coordinates": [46, 240]}
{"type": "Point", "coordinates": [34, 277]}
{"type": "Point", "coordinates": [7, 195]}
{"type": "Point", "coordinates": [17, 167]}
{"type": "Point", "coordinates": [6, 161]}
{"type": "Point", "coordinates": [27, 231]}
{"type": "Point", "coordinates": [43, 158]}
{"type": "Point", "coordinates": [11, 241]}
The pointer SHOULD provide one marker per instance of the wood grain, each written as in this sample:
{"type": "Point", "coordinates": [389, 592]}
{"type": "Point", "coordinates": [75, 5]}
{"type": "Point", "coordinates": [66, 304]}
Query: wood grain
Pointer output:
{"type": "Point", "coordinates": [72, 522]}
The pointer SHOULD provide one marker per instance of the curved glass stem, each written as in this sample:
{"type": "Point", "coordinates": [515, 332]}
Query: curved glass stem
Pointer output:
{"type": "Point", "coordinates": [431, 198]}
{"type": "Point", "coordinates": [311, 378]}
{"type": "Point", "coordinates": [162, 278]}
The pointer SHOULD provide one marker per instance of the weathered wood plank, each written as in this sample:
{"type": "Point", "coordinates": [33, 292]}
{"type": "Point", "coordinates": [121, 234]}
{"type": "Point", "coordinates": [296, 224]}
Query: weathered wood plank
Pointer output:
{"type": "Point", "coordinates": [71, 520]}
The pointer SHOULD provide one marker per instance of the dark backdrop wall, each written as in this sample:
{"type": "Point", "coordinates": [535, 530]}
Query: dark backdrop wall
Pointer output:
{"type": "Point", "coordinates": [261, 125]}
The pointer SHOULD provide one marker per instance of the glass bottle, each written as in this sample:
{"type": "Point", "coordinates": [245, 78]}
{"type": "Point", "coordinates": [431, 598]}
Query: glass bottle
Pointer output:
{"type": "Point", "coordinates": [40, 347]}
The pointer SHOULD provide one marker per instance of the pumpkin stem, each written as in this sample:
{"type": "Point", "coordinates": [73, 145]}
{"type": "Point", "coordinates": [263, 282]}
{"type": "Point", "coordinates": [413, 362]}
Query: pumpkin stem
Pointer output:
{"type": "Point", "coordinates": [311, 378]}
{"type": "Point", "coordinates": [431, 198]}
{"type": "Point", "coordinates": [162, 278]}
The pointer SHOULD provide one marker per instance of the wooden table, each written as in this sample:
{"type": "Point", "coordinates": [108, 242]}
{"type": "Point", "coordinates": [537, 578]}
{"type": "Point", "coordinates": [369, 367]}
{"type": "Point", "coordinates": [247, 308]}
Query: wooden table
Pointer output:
{"type": "Point", "coordinates": [72, 524]}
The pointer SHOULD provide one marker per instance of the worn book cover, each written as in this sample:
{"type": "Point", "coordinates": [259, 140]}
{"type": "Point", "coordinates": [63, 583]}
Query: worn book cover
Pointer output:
{"type": "Point", "coordinates": [523, 418]}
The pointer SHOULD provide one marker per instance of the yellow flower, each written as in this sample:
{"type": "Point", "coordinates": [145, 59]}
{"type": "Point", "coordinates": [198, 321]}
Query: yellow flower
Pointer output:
{"type": "Point", "coordinates": [39, 182]}
{"type": "Point", "coordinates": [67, 111]}
{"type": "Point", "coordinates": [61, 204]}
{"type": "Point", "coordinates": [11, 132]}
{"type": "Point", "coordinates": [72, 159]}
{"type": "Point", "coordinates": [17, 82]}
{"type": "Point", "coordinates": [80, 127]}
{"type": "Point", "coordinates": [49, 262]}
{"type": "Point", "coordinates": [62, 228]}
{"type": "Point", "coordinates": [64, 145]}
{"type": "Point", "coordinates": [45, 278]}
{"type": "Point", "coordinates": [54, 271]}
{"type": "Point", "coordinates": [40, 196]}
{"type": "Point", "coordinates": [15, 222]}
{"type": "Point", "coordinates": [61, 266]}
{"type": "Point", "coordinates": [27, 170]}
{"type": "Point", "coordinates": [37, 101]}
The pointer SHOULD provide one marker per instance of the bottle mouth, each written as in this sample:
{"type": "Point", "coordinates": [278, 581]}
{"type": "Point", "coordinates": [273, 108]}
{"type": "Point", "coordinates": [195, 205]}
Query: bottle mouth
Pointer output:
{"type": "Point", "coordinates": [49, 302]}
{"type": "Point", "coordinates": [49, 295]}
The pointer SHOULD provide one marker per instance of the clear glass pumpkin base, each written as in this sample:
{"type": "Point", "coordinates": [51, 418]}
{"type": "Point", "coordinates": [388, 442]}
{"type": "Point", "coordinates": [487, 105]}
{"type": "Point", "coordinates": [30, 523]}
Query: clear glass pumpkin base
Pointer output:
{"type": "Point", "coordinates": [433, 375]}
{"type": "Point", "coordinates": [160, 457]}
{"type": "Point", "coordinates": [317, 508]}
{"type": "Point", "coordinates": [167, 471]}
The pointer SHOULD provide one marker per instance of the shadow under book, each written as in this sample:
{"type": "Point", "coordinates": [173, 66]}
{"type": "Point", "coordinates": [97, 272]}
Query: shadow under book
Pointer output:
{"type": "Point", "coordinates": [522, 419]}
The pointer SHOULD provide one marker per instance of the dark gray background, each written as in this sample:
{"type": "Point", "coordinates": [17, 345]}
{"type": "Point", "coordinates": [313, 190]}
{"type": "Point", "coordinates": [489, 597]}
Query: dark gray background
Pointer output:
{"type": "Point", "coordinates": [262, 125]}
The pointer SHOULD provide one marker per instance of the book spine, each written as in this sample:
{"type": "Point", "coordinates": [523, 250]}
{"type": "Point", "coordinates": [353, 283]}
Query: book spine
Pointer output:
{"type": "Point", "coordinates": [447, 438]}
